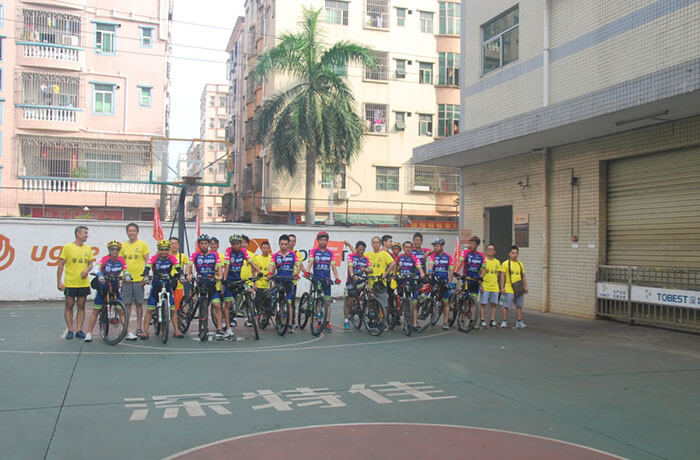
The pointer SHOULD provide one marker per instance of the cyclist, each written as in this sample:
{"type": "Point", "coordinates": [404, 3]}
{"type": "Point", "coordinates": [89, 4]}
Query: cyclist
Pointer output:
{"type": "Point", "coordinates": [209, 270]}
{"type": "Point", "coordinates": [162, 263]}
{"type": "Point", "coordinates": [490, 290]}
{"type": "Point", "coordinates": [321, 263]}
{"type": "Point", "coordinates": [234, 259]}
{"type": "Point", "coordinates": [418, 251]}
{"type": "Point", "coordinates": [408, 266]}
{"type": "Point", "coordinates": [440, 264]}
{"type": "Point", "coordinates": [472, 261]}
{"type": "Point", "coordinates": [286, 264]}
{"type": "Point", "coordinates": [111, 264]}
{"type": "Point", "coordinates": [214, 247]}
{"type": "Point", "coordinates": [76, 259]}
{"type": "Point", "coordinates": [182, 260]}
{"type": "Point", "coordinates": [292, 246]}
{"type": "Point", "coordinates": [358, 264]}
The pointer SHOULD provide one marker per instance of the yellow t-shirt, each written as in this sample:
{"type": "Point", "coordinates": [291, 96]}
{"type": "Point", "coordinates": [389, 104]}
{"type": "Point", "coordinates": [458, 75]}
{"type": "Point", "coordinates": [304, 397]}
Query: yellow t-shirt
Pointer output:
{"type": "Point", "coordinates": [491, 268]}
{"type": "Point", "coordinates": [246, 271]}
{"type": "Point", "coordinates": [183, 260]}
{"type": "Point", "coordinates": [263, 263]}
{"type": "Point", "coordinates": [380, 261]}
{"type": "Point", "coordinates": [77, 258]}
{"type": "Point", "coordinates": [516, 269]}
{"type": "Point", "coordinates": [297, 265]}
{"type": "Point", "coordinates": [134, 254]}
{"type": "Point", "coordinates": [218, 283]}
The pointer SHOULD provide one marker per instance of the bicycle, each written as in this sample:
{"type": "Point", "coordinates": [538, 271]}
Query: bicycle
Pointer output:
{"type": "Point", "coordinates": [311, 306]}
{"type": "Point", "coordinates": [161, 318]}
{"type": "Point", "coordinates": [373, 315]}
{"type": "Point", "coordinates": [197, 301]}
{"type": "Point", "coordinates": [113, 316]}
{"type": "Point", "coordinates": [357, 311]}
{"type": "Point", "coordinates": [466, 308]}
{"type": "Point", "coordinates": [244, 288]}
{"type": "Point", "coordinates": [430, 306]}
{"type": "Point", "coordinates": [275, 304]}
{"type": "Point", "coordinates": [393, 316]}
{"type": "Point", "coordinates": [405, 296]}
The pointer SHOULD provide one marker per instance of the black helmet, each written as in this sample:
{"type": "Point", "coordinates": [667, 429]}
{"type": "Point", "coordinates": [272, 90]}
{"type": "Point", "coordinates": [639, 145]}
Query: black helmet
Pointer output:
{"type": "Point", "coordinates": [203, 237]}
{"type": "Point", "coordinates": [440, 241]}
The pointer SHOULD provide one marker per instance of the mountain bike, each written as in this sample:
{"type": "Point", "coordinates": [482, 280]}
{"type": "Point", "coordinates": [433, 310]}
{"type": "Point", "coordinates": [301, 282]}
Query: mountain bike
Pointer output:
{"type": "Point", "coordinates": [405, 297]}
{"type": "Point", "coordinates": [373, 315]}
{"type": "Point", "coordinates": [466, 307]}
{"type": "Point", "coordinates": [311, 306]}
{"type": "Point", "coordinates": [393, 313]}
{"type": "Point", "coordinates": [275, 304]}
{"type": "Point", "coordinates": [430, 305]}
{"type": "Point", "coordinates": [356, 287]}
{"type": "Point", "coordinates": [243, 289]}
{"type": "Point", "coordinates": [161, 316]}
{"type": "Point", "coordinates": [113, 318]}
{"type": "Point", "coordinates": [197, 301]}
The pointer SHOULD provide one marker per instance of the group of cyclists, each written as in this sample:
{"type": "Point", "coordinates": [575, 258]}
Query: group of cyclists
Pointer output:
{"type": "Point", "coordinates": [382, 268]}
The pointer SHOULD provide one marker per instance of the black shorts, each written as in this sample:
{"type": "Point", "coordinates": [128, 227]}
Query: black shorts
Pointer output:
{"type": "Point", "coordinates": [76, 292]}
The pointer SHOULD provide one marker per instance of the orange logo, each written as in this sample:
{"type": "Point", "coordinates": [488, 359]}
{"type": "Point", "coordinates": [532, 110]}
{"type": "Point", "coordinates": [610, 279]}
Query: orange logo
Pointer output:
{"type": "Point", "coordinates": [7, 253]}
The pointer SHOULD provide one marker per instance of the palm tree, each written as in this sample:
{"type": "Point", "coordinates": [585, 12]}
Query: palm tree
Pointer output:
{"type": "Point", "coordinates": [315, 118]}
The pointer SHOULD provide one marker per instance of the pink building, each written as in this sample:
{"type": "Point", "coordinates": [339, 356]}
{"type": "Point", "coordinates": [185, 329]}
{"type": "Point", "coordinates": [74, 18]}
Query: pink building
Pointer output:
{"type": "Point", "coordinates": [83, 89]}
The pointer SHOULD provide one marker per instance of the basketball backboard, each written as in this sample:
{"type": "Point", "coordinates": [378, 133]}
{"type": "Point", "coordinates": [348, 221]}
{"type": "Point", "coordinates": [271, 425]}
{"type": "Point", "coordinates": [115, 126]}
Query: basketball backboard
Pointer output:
{"type": "Point", "coordinates": [177, 161]}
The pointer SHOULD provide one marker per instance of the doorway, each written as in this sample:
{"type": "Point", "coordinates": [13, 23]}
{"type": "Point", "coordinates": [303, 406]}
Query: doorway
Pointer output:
{"type": "Point", "coordinates": [499, 229]}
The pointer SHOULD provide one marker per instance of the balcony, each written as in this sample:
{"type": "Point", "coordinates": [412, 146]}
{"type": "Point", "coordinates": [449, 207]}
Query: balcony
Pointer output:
{"type": "Point", "coordinates": [50, 118]}
{"type": "Point", "coordinates": [48, 38]}
{"type": "Point", "coordinates": [76, 185]}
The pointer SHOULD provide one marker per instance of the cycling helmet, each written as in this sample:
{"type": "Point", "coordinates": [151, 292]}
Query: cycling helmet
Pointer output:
{"type": "Point", "coordinates": [114, 244]}
{"type": "Point", "coordinates": [322, 234]}
{"type": "Point", "coordinates": [440, 241]}
{"type": "Point", "coordinates": [475, 239]}
{"type": "Point", "coordinates": [234, 238]}
{"type": "Point", "coordinates": [396, 245]}
{"type": "Point", "coordinates": [203, 237]}
{"type": "Point", "coordinates": [163, 244]}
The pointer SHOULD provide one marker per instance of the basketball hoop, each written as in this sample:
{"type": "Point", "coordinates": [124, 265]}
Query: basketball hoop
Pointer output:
{"type": "Point", "coordinates": [190, 180]}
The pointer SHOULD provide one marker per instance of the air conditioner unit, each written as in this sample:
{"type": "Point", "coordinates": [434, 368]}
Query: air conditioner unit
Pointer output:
{"type": "Point", "coordinates": [342, 194]}
{"type": "Point", "coordinates": [421, 188]}
{"type": "Point", "coordinates": [71, 40]}
{"type": "Point", "coordinates": [378, 128]}
{"type": "Point", "coordinates": [400, 125]}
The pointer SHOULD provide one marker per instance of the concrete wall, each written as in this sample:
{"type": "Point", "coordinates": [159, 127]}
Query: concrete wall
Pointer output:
{"type": "Point", "coordinates": [29, 248]}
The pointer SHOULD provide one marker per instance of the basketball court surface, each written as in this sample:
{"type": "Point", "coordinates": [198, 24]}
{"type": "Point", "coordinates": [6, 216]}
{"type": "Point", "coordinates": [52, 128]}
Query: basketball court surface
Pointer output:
{"type": "Point", "coordinates": [562, 388]}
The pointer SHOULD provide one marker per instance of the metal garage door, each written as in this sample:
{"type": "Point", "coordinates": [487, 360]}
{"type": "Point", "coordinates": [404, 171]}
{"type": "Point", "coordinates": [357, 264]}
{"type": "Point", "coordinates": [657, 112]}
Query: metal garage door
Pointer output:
{"type": "Point", "coordinates": [654, 210]}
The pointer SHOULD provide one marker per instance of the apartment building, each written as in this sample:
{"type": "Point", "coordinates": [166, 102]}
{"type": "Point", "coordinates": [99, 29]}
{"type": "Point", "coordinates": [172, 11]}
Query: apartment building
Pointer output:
{"type": "Point", "coordinates": [83, 88]}
{"type": "Point", "coordinates": [581, 127]}
{"type": "Point", "coordinates": [412, 98]}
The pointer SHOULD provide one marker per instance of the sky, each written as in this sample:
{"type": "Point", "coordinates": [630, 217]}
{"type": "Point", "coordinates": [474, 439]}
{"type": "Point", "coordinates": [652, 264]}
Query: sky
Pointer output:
{"type": "Point", "coordinates": [215, 19]}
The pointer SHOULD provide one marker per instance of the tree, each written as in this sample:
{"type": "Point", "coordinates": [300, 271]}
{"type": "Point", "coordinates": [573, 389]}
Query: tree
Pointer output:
{"type": "Point", "coordinates": [314, 119]}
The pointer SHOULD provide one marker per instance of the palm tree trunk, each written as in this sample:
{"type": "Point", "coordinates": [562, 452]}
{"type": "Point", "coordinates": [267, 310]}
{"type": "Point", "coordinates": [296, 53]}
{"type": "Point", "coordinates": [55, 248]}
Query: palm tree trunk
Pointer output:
{"type": "Point", "coordinates": [310, 204]}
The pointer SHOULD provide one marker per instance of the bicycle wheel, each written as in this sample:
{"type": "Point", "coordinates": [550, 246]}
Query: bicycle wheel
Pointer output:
{"type": "Point", "coordinates": [303, 310]}
{"type": "Point", "coordinates": [185, 313]}
{"type": "Point", "coordinates": [468, 314]}
{"type": "Point", "coordinates": [318, 315]}
{"type": "Point", "coordinates": [436, 312]}
{"type": "Point", "coordinates": [113, 322]}
{"type": "Point", "coordinates": [356, 313]}
{"type": "Point", "coordinates": [426, 309]}
{"type": "Point", "coordinates": [264, 312]}
{"type": "Point", "coordinates": [453, 302]}
{"type": "Point", "coordinates": [391, 314]}
{"type": "Point", "coordinates": [374, 317]}
{"type": "Point", "coordinates": [203, 319]}
{"type": "Point", "coordinates": [250, 316]}
{"type": "Point", "coordinates": [407, 307]}
{"type": "Point", "coordinates": [165, 322]}
{"type": "Point", "coordinates": [281, 316]}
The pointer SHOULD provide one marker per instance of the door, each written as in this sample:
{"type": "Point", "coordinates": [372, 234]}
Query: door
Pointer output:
{"type": "Point", "coordinates": [499, 230]}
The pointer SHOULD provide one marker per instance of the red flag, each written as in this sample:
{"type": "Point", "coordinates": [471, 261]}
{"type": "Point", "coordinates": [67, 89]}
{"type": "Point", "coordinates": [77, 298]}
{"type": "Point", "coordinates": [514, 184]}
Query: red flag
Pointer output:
{"type": "Point", "coordinates": [196, 225]}
{"type": "Point", "coordinates": [157, 227]}
{"type": "Point", "coordinates": [458, 251]}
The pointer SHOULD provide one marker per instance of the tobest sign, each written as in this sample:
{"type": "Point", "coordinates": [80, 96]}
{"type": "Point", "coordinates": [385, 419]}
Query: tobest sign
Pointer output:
{"type": "Point", "coordinates": [661, 296]}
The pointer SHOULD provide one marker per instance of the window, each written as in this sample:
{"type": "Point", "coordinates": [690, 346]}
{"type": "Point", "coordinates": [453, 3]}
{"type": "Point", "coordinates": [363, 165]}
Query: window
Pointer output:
{"type": "Point", "coordinates": [500, 40]}
{"type": "Point", "coordinates": [387, 178]}
{"type": "Point", "coordinates": [211, 123]}
{"type": "Point", "coordinates": [145, 96]}
{"type": "Point", "coordinates": [425, 125]}
{"type": "Point", "coordinates": [375, 117]}
{"type": "Point", "coordinates": [449, 69]}
{"type": "Point", "coordinates": [2, 15]}
{"type": "Point", "coordinates": [450, 17]}
{"type": "Point", "coordinates": [212, 101]}
{"type": "Point", "coordinates": [448, 120]}
{"type": "Point", "coordinates": [222, 101]}
{"type": "Point", "coordinates": [210, 212]}
{"type": "Point", "coordinates": [146, 37]}
{"type": "Point", "coordinates": [103, 166]}
{"type": "Point", "coordinates": [426, 22]}
{"type": "Point", "coordinates": [400, 121]}
{"type": "Point", "coordinates": [340, 70]}
{"type": "Point", "coordinates": [337, 12]}
{"type": "Point", "coordinates": [103, 98]}
{"type": "Point", "coordinates": [400, 17]}
{"type": "Point", "coordinates": [425, 73]}
{"type": "Point", "coordinates": [222, 123]}
{"type": "Point", "coordinates": [377, 13]}
{"type": "Point", "coordinates": [105, 38]}
{"type": "Point", "coordinates": [327, 175]}
{"type": "Point", "coordinates": [51, 27]}
{"type": "Point", "coordinates": [381, 71]}
{"type": "Point", "coordinates": [400, 68]}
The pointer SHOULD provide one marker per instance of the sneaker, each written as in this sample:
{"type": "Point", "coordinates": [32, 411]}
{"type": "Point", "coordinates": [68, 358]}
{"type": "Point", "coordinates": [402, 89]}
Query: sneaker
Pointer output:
{"type": "Point", "coordinates": [233, 323]}
{"type": "Point", "coordinates": [220, 334]}
{"type": "Point", "coordinates": [229, 333]}
{"type": "Point", "coordinates": [347, 327]}
{"type": "Point", "coordinates": [290, 329]}
{"type": "Point", "coordinates": [520, 325]}
{"type": "Point", "coordinates": [417, 329]}
{"type": "Point", "coordinates": [80, 335]}
{"type": "Point", "coordinates": [69, 335]}
{"type": "Point", "coordinates": [248, 323]}
{"type": "Point", "coordinates": [483, 325]}
{"type": "Point", "coordinates": [492, 324]}
{"type": "Point", "coordinates": [445, 327]}
{"type": "Point", "coordinates": [328, 327]}
{"type": "Point", "coordinates": [504, 325]}
{"type": "Point", "coordinates": [130, 336]}
{"type": "Point", "coordinates": [88, 337]}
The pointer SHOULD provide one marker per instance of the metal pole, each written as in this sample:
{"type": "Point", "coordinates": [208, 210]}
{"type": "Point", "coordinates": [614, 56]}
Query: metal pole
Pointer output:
{"type": "Point", "coordinates": [331, 220]}
{"type": "Point", "coordinates": [181, 215]}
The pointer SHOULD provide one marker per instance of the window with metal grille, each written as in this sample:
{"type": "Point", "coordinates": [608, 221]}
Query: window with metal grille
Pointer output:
{"type": "Point", "coordinates": [426, 22]}
{"type": "Point", "coordinates": [425, 125]}
{"type": "Point", "coordinates": [50, 27]}
{"type": "Point", "coordinates": [400, 17]}
{"type": "Point", "coordinates": [425, 73]}
{"type": "Point", "coordinates": [105, 38]}
{"type": "Point", "coordinates": [222, 123]}
{"type": "Point", "coordinates": [449, 69]}
{"type": "Point", "coordinates": [436, 178]}
{"type": "Point", "coordinates": [337, 12]}
{"type": "Point", "coordinates": [400, 68]}
{"type": "Point", "coordinates": [381, 71]}
{"type": "Point", "coordinates": [387, 178]}
{"type": "Point", "coordinates": [375, 117]}
{"type": "Point", "coordinates": [327, 175]}
{"type": "Point", "coordinates": [500, 40]}
{"type": "Point", "coordinates": [400, 121]}
{"type": "Point", "coordinates": [377, 13]}
{"type": "Point", "coordinates": [50, 90]}
{"type": "Point", "coordinates": [450, 17]}
{"type": "Point", "coordinates": [103, 166]}
{"type": "Point", "coordinates": [448, 120]}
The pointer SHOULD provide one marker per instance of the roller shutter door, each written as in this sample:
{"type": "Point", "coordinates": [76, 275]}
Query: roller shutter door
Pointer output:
{"type": "Point", "coordinates": [654, 210]}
